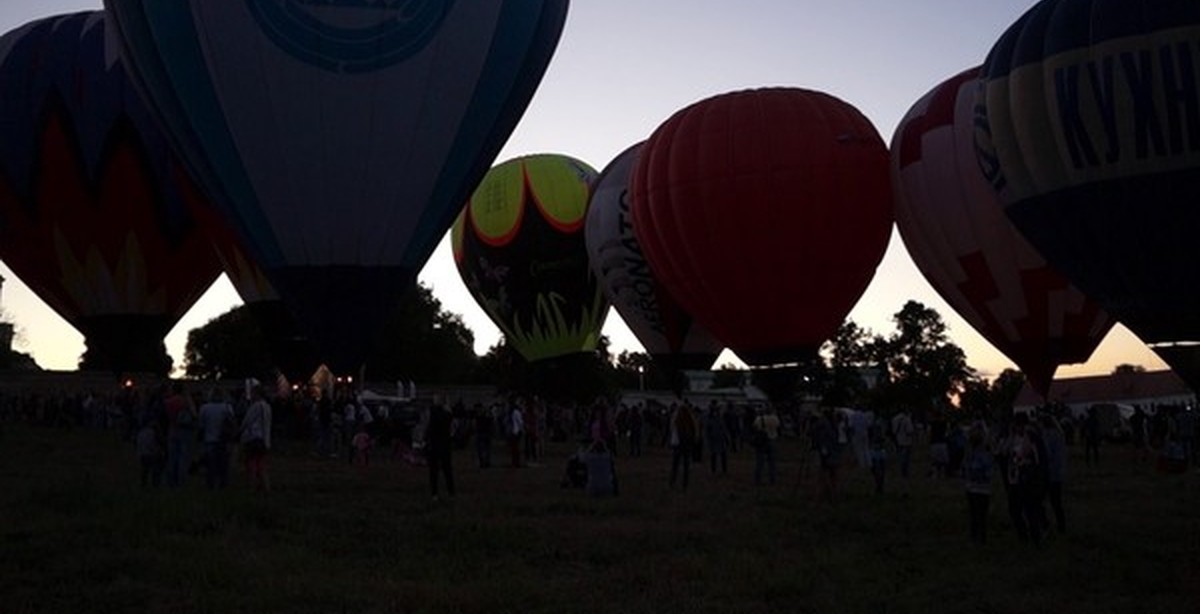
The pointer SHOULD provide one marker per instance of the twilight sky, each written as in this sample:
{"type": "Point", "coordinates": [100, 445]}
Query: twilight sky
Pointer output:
{"type": "Point", "coordinates": [623, 67]}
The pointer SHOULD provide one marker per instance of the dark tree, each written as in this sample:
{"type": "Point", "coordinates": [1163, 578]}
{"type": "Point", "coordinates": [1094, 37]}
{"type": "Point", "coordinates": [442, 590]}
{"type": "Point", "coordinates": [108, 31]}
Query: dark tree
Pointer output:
{"type": "Point", "coordinates": [423, 343]}
{"type": "Point", "coordinates": [993, 401]}
{"type": "Point", "coordinates": [729, 376]}
{"type": "Point", "coordinates": [786, 384]}
{"type": "Point", "coordinates": [228, 346]}
{"type": "Point", "coordinates": [924, 368]}
{"type": "Point", "coordinates": [636, 370]}
{"type": "Point", "coordinates": [9, 358]}
{"type": "Point", "coordinates": [420, 343]}
{"type": "Point", "coordinates": [1126, 368]}
{"type": "Point", "coordinates": [1005, 389]}
{"type": "Point", "coordinates": [580, 377]}
{"type": "Point", "coordinates": [854, 352]}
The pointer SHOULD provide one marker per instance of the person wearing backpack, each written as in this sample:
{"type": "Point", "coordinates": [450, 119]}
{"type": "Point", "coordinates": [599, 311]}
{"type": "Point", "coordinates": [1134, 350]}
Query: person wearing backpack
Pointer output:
{"type": "Point", "coordinates": [219, 428]}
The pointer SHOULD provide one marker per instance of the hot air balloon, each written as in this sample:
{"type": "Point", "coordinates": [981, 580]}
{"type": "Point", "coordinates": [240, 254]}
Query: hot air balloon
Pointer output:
{"type": "Point", "coordinates": [291, 351]}
{"type": "Point", "coordinates": [340, 138]}
{"type": "Point", "coordinates": [666, 331]}
{"type": "Point", "coordinates": [956, 232]}
{"type": "Point", "coordinates": [1089, 131]}
{"type": "Point", "coordinates": [92, 216]}
{"type": "Point", "coordinates": [520, 249]}
{"type": "Point", "coordinates": [764, 213]}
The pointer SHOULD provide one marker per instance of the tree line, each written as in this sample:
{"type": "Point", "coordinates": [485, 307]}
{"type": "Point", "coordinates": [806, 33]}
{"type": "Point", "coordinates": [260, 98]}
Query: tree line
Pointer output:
{"type": "Point", "coordinates": [916, 365]}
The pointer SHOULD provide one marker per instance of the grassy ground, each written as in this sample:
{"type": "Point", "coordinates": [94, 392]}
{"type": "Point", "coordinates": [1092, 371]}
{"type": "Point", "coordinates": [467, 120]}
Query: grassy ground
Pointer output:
{"type": "Point", "coordinates": [78, 535]}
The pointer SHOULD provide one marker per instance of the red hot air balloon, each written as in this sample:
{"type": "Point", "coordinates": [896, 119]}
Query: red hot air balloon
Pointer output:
{"type": "Point", "coordinates": [955, 230]}
{"type": "Point", "coordinates": [92, 216]}
{"type": "Point", "coordinates": [765, 213]}
{"type": "Point", "coordinates": [668, 333]}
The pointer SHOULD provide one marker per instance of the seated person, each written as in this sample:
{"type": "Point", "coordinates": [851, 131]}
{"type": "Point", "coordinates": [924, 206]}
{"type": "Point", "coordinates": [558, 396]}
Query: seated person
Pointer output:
{"type": "Point", "coordinates": [601, 471]}
{"type": "Point", "coordinates": [576, 472]}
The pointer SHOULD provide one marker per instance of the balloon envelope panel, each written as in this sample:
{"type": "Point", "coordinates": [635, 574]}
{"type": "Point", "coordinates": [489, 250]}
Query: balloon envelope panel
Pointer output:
{"type": "Point", "coordinates": [340, 140]}
{"type": "Point", "coordinates": [666, 331]}
{"type": "Point", "coordinates": [765, 213]}
{"type": "Point", "coordinates": [519, 246]}
{"type": "Point", "coordinates": [1090, 132]}
{"type": "Point", "coordinates": [954, 227]}
{"type": "Point", "coordinates": [92, 198]}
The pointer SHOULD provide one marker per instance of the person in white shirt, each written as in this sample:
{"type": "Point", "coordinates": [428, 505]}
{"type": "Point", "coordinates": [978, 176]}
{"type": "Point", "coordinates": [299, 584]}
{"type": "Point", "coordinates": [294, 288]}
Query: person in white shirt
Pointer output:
{"type": "Point", "coordinates": [256, 439]}
{"type": "Point", "coordinates": [516, 432]}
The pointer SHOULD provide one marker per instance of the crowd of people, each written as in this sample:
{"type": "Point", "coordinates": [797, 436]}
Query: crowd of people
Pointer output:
{"type": "Point", "coordinates": [177, 432]}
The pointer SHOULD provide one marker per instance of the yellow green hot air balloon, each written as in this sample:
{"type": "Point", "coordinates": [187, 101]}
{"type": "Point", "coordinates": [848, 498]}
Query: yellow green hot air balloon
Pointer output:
{"type": "Point", "coordinates": [519, 246]}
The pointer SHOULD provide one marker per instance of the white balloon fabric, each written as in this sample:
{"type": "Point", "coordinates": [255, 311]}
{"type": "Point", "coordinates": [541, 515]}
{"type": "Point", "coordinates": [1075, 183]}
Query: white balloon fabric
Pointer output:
{"type": "Point", "coordinates": [339, 138]}
{"type": "Point", "coordinates": [665, 330]}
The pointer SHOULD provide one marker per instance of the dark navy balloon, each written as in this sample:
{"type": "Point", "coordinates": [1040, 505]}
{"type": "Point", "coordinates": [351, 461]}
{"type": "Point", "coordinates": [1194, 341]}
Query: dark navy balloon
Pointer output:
{"type": "Point", "coordinates": [1088, 126]}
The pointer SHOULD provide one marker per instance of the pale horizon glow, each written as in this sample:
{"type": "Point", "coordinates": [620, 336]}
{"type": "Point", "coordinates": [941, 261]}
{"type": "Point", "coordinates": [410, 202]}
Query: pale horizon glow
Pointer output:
{"type": "Point", "coordinates": [621, 69]}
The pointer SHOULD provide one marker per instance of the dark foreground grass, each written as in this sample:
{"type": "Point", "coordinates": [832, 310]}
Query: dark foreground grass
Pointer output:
{"type": "Point", "coordinates": [78, 535]}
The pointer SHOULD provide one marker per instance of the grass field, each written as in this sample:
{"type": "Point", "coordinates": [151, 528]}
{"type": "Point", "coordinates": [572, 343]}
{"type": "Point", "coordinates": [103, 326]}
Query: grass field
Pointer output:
{"type": "Point", "coordinates": [78, 535]}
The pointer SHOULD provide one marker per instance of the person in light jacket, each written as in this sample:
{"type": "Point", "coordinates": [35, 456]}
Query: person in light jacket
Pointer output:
{"type": "Point", "coordinates": [256, 439]}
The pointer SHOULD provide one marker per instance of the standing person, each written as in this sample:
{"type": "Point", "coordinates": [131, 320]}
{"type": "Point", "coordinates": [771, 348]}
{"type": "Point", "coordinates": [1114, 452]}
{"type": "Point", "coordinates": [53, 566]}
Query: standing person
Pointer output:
{"type": "Point", "coordinates": [437, 447]}
{"type": "Point", "coordinates": [939, 451]}
{"type": "Point", "coordinates": [349, 425]}
{"type": "Point", "coordinates": [516, 432]}
{"type": "Point", "coordinates": [903, 434]}
{"type": "Point", "coordinates": [877, 453]}
{"type": "Point", "coordinates": [716, 438]}
{"type": "Point", "coordinates": [733, 426]}
{"type": "Point", "coordinates": [181, 432]}
{"type": "Point", "coordinates": [149, 442]}
{"type": "Point", "coordinates": [362, 444]}
{"type": "Point", "coordinates": [218, 426]}
{"type": "Point", "coordinates": [1138, 430]}
{"type": "Point", "coordinates": [977, 478]}
{"type": "Point", "coordinates": [683, 433]}
{"type": "Point", "coordinates": [765, 430]}
{"type": "Point", "coordinates": [1185, 431]}
{"type": "Point", "coordinates": [324, 423]}
{"type": "Point", "coordinates": [485, 427]}
{"type": "Point", "coordinates": [1091, 437]}
{"type": "Point", "coordinates": [1024, 473]}
{"type": "Point", "coordinates": [529, 420]}
{"type": "Point", "coordinates": [636, 422]}
{"type": "Point", "coordinates": [256, 439]}
{"type": "Point", "coordinates": [829, 450]}
{"type": "Point", "coordinates": [1055, 445]}
{"type": "Point", "coordinates": [860, 424]}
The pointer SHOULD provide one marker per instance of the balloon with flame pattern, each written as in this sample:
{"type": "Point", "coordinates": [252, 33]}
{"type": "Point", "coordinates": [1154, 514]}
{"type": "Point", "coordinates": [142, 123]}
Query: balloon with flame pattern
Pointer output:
{"type": "Point", "coordinates": [92, 198]}
{"type": "Point", "coordinates": [519, 247]}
